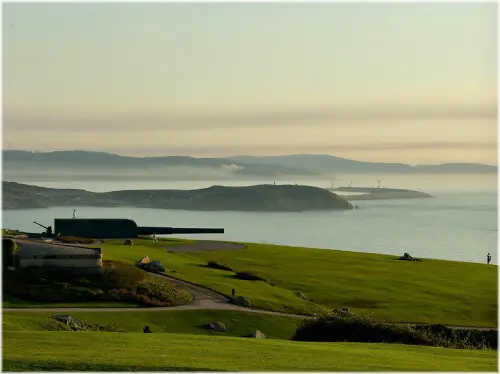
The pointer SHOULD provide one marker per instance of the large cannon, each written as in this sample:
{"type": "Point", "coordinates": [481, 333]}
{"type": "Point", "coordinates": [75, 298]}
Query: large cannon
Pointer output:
{"type": "Point", "coordinates": [109, 228]}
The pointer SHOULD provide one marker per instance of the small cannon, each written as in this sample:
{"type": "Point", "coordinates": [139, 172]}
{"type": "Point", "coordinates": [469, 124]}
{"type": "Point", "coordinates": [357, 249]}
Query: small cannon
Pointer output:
{"type": "Point", "coordinates": [111, 228]}
{"type": "Point", "coordinates": [48, 229]}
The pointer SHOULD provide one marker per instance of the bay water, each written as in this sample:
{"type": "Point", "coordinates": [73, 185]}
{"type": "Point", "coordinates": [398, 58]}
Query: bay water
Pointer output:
{"type": "Point", "coordinates": [459, 223]}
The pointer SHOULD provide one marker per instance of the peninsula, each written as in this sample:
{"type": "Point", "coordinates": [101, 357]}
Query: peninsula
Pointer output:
{"type": "Point", "coordinates": [270, 198]}
{"type": "Point", "coordinates": [375, 193]}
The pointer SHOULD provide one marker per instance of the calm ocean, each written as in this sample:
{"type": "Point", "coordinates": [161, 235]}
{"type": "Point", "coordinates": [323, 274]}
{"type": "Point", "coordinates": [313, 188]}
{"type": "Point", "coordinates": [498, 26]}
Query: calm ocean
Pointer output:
{"type": "Point", "coordinates": [459, 223]}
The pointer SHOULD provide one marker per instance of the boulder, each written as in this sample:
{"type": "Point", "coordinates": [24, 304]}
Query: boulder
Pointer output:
{"type": "Point", "coordinates": [70, 321]}
{"type": "Point", "coordinates": [128, 242]}
{"type": "Point", "coordinates": [257, 334]}
{"type": "Point", "coordinates": [156, 266]}
{"type": "Point", "coordinates": [342, 311]}
{"type": "Point", "coordinates": [218, 326]}
{"type": "Point", "coordinates": [242, 301]}
{"type": "Point", "coordinates": [143, 261]}
{"type": "Point", "coordinates": [407, 257]}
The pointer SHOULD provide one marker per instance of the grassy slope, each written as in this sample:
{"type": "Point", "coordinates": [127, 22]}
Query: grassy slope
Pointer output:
{"type": "Point", "coordinates": [431, 291]}
{"type": "Point", "coordinates": [162, 352]}
{"type": "Point", "coordinates": [189, 322]}
{"type": "Point", "coordinates": [13, 302]}
{"type": "Point", "coordinates": [191, 268]}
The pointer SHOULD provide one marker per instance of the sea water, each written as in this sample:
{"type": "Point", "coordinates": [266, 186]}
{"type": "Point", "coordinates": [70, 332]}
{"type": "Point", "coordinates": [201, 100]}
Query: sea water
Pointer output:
{"type": "Point", "coordinates": [458, 223]}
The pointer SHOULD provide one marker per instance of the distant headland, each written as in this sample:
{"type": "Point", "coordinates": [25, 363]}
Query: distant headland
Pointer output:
{"type": "Point", "coordinates": [377, 193]}
{"type": "Point", "coordinates": [265, 198]}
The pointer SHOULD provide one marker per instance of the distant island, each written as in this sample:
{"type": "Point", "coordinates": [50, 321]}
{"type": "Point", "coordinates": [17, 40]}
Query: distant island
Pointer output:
{"type": "Point", "coordinates": [265, 198]}
{"type": "Point", "coordinates": [375, 193]}
{"type": "Point", "coordinates": [109, 166]}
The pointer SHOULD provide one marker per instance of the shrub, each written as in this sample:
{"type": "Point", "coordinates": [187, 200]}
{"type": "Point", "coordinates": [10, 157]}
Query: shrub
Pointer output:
{"type": "Point", "coordinates": [163, 292]}
{"type": "Point", "coordinates": [117, 275]}
{"type": "Point", "coordinates": [463, 338]}
{"type": "Point", "coordinates": [216, 265]}
{"type": "Point", "coordinates": [51, 324]}
{"type": "Point", "coordinates": [75, 240]}
{"type": "Point", "coordinates": [248, 275]}
{"type": "Point", "coordinates": [333, 327]}
{"type": "Point", "coordinates": [117, 282]}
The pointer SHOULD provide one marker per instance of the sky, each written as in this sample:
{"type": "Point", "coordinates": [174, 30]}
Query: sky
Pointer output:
{"type": "Point", "coordinates": [394, 82]}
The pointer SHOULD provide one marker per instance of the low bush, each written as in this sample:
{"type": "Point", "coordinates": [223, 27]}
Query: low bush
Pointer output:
{"type": "Point", "coordinates": [118, 282]}
{"type": "Point", "coordinates": [117, 275]}
{"type": "Point", "coordinates": [335, 327]}
{"type": "Point", "coordinates": [75, 240]}
{"type": "Point", "coordinates": [54, 325]}
{"type": "Point", "coordinates": [163, 292]}
{"type": "Point", "coordinates": [463, 338]}
{"type": "Point", "coordinates": [216, 265]}
{"type": "Point", "coordinates": [248, 275]}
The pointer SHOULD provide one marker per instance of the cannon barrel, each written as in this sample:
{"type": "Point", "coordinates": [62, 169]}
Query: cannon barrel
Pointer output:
{"type": "Point", "coordinates": [143, 230]}
{"type": "Point", "coordinates": [39, 224]}
{"type": "Point", "coordinates": [109, 228]}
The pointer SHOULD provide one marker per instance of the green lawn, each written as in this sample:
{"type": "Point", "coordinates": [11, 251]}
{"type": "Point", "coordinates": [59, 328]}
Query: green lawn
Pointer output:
{"type": "Point", "coordinates": [189, 321]}
{"type": "Point", "coordinates": [430, 291]}
{"type": "Point", "coordinates": [13, 302]}
{"type": "Point", "coordinates": [56, 351]}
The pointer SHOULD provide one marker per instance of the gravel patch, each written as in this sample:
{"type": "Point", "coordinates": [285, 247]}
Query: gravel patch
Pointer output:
{"type": "Point", "coordinates": [206, 245]}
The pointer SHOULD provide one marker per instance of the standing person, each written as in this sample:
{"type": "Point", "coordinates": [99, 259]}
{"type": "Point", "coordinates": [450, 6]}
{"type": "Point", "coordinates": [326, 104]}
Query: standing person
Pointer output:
{"type": "Point", "coordinates": [154, 238]}
{"type": "Point", "coordinates": [488, 258]}
{"type": "Point", "coordinates": [74, 213]}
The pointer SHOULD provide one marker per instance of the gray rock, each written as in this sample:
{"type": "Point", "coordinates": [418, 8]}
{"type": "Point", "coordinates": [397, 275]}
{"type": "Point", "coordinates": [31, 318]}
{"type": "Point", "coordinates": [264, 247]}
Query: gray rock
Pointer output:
{"type": "Point", "coordinates": [70, 321]}
{"type": "Point", "coordinates": [153, 266]}
{"type": "Point", "coordinates": [257, 334]}
{"type": "Point", "coordinates": [342, 311]}
{"type": "Point", "coordinates": [156, 266]}
{"type": "Point", "coordinates": [218, 326]}
{"type": "Point", "coordinates": [242, 301]}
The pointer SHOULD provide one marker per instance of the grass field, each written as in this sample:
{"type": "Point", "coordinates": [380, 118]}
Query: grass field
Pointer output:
{"type": "Point", "coordinates": [431, 291]}
{"type": "Point", "coordinates": [55, 351]}
{"type": "Point", "coordinates": [13, 302]}
{"type": "Point", "coordinates": [189, 322]}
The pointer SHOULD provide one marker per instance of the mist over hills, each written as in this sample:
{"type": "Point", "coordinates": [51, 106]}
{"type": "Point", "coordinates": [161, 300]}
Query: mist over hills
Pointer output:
{"type": "Point", "coordinates": [181, 167]}
{"type": "Point", "coordinates": [327, 164]}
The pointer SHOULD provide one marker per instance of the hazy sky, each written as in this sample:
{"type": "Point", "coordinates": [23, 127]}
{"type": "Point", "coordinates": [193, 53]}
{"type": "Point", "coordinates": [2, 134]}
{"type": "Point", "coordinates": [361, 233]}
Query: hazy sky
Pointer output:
{"type": "Point", "coordinates": [412, 83]}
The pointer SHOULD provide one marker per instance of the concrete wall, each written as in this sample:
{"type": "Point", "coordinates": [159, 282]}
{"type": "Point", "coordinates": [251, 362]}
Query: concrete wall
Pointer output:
{"type": "Point", "coordinates": [63, 263]}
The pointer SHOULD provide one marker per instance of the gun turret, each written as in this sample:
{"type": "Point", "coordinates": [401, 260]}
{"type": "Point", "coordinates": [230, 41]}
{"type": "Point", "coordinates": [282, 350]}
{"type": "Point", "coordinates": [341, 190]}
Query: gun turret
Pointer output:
{"type": "Point", "coordinates": [48, 229]}
{"type": "Point", "coordinates": [39, 224]}
{"type": "Point", "coordinates": [120, 228]}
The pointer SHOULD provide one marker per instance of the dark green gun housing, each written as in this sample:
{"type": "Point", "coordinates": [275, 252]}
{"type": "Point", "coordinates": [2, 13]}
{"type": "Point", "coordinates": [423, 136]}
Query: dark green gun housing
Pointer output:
{"type": "Point", "coordinates": [110, 228]}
